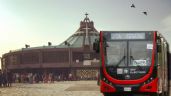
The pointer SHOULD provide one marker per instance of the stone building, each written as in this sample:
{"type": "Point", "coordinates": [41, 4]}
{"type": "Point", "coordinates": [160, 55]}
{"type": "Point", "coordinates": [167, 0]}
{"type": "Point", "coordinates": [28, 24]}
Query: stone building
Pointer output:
{"type": "Point", "coordinates": [74, 56]}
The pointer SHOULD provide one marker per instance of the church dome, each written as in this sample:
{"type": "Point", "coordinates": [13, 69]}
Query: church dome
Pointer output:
{"type": "Point", "coordinates": [84, 36]}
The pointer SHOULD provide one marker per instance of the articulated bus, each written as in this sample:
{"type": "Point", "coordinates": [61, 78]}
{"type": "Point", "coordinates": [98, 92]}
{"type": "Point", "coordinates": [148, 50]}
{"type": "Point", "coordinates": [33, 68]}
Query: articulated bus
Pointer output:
{"type": "Point", "coordinates": [133, 63]}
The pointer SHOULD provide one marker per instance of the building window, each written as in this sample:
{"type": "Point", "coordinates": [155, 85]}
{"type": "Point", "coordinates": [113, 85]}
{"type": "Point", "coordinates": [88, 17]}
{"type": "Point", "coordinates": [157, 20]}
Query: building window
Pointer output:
{"type": "Point", "coordinates": [56, 57]}
{"type": "Point", "coordinates": [3, 61]}
{"type": "Point", "coordinates": [13, 59]}
{"type": "Point", "coordinates": [87, 56]}
{"type": "Point", "coordinates": [30, 58]}
{"type": "Point", "coordinates": [77, 56]}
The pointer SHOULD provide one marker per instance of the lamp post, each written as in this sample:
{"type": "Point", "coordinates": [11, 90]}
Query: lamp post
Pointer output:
{"type": "Point", "coordinates": [69, 49]}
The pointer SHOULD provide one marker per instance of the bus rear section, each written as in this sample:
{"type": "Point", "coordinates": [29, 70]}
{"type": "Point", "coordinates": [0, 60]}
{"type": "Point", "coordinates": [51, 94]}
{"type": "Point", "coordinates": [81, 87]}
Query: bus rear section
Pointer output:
{"type": "Point", "coordinates": [133, 63]}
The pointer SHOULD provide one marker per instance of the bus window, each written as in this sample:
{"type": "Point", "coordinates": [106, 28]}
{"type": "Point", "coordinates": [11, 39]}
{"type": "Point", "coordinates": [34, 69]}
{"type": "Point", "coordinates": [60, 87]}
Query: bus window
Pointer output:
{"type": "Point", "coordinates": [116, 53]}
{"type": "Point", "coordinates": [140, 53]}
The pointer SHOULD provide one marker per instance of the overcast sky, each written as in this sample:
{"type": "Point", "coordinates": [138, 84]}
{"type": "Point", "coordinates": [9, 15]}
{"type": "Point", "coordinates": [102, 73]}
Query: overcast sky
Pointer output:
{"type": "Point", "coordinates": [36, 22]}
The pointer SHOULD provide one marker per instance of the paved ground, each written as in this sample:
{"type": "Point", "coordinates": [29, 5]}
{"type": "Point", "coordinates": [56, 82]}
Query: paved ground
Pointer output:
{"type": "Point", "coordinates": [68, 88]}
{"type": "Point", "coordinates": [72, 88]}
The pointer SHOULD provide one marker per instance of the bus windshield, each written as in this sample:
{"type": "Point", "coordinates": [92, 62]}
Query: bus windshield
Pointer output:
{"type": "Point", "coordinates": [129, 53]}
{"type": "Point", "coordinates": [140, 53]}
{"type": "Point", "coordinates": [116, 53]}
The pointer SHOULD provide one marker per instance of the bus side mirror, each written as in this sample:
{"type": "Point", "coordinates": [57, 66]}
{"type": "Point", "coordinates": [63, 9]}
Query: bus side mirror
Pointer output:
{"type": "Point", "coordinates": [96, 46]}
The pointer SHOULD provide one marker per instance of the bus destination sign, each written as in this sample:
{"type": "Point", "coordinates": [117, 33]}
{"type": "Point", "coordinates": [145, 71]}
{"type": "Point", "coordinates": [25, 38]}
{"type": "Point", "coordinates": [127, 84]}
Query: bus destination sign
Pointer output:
{"type": "Point", "coordinates": [119, 36]}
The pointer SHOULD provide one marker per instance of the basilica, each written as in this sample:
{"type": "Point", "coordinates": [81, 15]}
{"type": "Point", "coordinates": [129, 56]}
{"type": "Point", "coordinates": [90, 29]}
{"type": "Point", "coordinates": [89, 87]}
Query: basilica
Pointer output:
{"type": "Point", "coordinates": [73, 56]}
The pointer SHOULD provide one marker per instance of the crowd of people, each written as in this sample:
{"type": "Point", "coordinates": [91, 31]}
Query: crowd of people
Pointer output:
{"type": "Point", "coordinates": [32, 78]}
{"type": "Point", "coordinates": [45, 77]}
{"type": "Point", "coordinates": [5, 79]}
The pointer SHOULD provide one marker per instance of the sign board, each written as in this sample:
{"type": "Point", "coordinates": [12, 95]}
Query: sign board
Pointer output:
{"type": "Point", "coordinates": [139, 62]}
{"type": "Point", "coordinates": [149, 46]}
{"type": "Point", "coordinates": [119, 36]}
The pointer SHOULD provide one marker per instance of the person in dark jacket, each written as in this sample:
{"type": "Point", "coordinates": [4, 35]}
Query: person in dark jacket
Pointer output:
{"type": "Point", "coordinates": [9, 78]}
{"type": "Point", "coordinates": [0, 78]}
{"type": "Point", "coordinates": [4, 79]}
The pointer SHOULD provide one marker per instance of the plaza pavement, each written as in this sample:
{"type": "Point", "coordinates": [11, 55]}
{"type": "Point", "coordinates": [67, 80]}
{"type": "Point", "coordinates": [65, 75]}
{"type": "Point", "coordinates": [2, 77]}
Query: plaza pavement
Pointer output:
{"type": "Point", "coordinates": [67, 88]}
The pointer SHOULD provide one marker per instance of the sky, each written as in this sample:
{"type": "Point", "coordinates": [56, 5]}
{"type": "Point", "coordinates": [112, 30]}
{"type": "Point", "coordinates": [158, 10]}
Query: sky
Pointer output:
{"type": "Point", "coordinates": [37, 22]}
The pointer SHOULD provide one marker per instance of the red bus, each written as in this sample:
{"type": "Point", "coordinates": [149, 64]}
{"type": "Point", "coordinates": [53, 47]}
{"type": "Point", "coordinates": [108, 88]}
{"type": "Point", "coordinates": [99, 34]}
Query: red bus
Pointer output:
{"type": "Point", "coordinates": [133, 63]}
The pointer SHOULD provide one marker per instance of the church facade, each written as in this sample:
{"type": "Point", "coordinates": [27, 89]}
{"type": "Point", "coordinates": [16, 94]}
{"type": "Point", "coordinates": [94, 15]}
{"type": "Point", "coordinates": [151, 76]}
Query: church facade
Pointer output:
{"type": "Point", "coordinates": [74, 56]}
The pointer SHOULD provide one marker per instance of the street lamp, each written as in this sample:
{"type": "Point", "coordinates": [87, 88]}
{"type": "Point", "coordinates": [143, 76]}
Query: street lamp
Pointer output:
{"type": "Point", "coordinates": [69, 48]}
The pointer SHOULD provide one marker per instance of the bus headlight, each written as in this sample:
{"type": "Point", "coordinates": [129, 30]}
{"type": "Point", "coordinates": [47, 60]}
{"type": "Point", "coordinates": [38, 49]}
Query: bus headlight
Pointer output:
{"type": "Point", "coordinates": [149, 80]}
